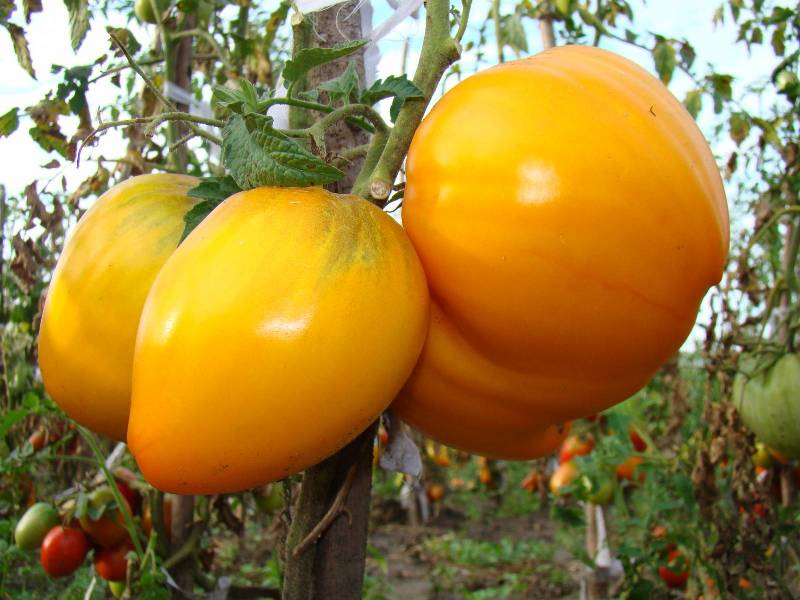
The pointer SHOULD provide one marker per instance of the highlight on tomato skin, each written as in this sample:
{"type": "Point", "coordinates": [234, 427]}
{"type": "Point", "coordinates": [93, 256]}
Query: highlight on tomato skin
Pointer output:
{"type": "Point", "coordinates": [558, 291]}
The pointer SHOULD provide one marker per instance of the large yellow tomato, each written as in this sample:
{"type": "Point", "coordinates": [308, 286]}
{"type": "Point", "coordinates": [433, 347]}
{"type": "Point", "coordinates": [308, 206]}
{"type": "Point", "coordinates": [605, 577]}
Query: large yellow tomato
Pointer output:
{"type": "Point", "coordinates": [97, 292]}
{"type": "Point", "coordinates": [570, 218]}
{"type": "Point", "coordinates": [283, 325]}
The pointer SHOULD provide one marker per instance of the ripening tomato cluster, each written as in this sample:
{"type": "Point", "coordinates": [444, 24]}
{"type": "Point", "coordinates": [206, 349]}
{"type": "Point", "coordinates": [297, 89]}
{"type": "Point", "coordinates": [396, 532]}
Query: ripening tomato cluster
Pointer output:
{"type": "Point", "coordinates": [64, 540]}
{"type": "Point", "coordinates": [547, 267]}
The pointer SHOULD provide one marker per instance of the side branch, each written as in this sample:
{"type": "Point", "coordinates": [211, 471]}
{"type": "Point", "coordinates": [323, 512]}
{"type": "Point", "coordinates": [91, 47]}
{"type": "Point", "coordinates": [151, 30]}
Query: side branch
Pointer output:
{"type": "Point", "coordinates": [439, 51]}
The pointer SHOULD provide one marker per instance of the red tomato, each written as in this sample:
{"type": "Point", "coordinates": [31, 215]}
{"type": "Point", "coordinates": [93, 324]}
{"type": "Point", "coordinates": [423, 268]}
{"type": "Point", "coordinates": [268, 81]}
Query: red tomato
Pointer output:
{"type": "Point", "coordinates": [638, 442]}
{"type": "Point", "coordinates": [383, 436]}
{"type": "Point", "coordinates": [531, 482]}
{"type": "Point", "coordinates": [676, 572]}
{"type": "Point", "coordinates": [63, 550]}
{"type": "Point", "coordinates": [575, 446]}
{"type": "Point", "coordinates": [111, 564]}
{"type": "Point", "coordinates": [132, 497]}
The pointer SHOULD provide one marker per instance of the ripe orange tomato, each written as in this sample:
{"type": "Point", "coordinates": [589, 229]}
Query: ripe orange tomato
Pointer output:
{"type": "Point", "coordinates": [575, 446]}
{"type": "Point", "coordinates": [63, 550]}
{"type": "Point", "coordinates": [570, 218]}
{"type": "Point", "coordinates": [435, 492]}
{"type": "Point", "coordinates": [279, 298]}
{"type": "Point", "coordinates": [97, 292]}
{"type": "Point", "coordinates": [563, 475]}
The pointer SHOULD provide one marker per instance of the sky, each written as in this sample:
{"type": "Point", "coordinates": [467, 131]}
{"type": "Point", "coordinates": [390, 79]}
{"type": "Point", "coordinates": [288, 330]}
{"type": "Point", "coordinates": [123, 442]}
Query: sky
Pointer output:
{"type": "Point", "coordinates": [48, 37]}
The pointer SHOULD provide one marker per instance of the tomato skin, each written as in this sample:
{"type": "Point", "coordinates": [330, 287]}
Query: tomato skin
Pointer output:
{"type": "Point", "coordinates": [674, 573]}
{"type": "Point", "coordinates": [288, 289]}
{"type": "Point", "coordinates": [63, 550]}
{"type": "Point", "coordinates": [111, 564]}
{"type": "Point", "coordinates": [563, 475]}
{"type": "Point", "coordinates": [97, 292]}
{"type": "Point", "coordinates": [435, 492]}
{"type": "Point", "coordinates": [769, 405]}
{"type": "Point", "coordinates": [109, 530]}
{"type": "Point", "coordinates": [627, 469]}
{"type": "Point", "coordinates": [570, 218]}
{"type": "Point", "coordinates": [34, 525]}
{"type": "Point", "coordinates": [575, 446]}
{"type": "Point", "coordinates": [636, 440]}
{"type": "Point", "coordinates": [144, 10]}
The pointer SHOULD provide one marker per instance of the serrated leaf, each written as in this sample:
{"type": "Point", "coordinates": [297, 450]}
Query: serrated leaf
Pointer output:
{"type": "Point", "coordinates": [309, 58]}
{"type": "Point", "coordinates": [215, 188]}
{"type": "Point", "coordinates": [514, 33]}
{"type": "Point", "coordinates": [21, 47]}
{"type": "Point", "coordinates": [345, 87]}
{"type": "Point", "coordinates": [257, 155]}
{"type": "Point", "coordinates": [249, 93]}
{"type": "Point", "coordinates": [722, 90]}
{"type": "Point", "coordinates": [78, 21]}
{"type": "Point", "coordinates": [29, 7]}
{"type": "Point", "coordinates": [664, 57]}
{"type": "Point", "coordinates": [195, 215]}
{"type": "Point", "coordinates": [9, 122]}
{"type": "Point", "coordinates": [693, 102]}
{"type": "Point", "coordinates": [399, 87]}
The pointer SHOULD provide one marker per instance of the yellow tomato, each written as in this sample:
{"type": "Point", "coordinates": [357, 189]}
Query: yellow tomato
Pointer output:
{"type": "Point", "coordinates": [97, 292]}
{"type": "Point", "coordinates": [284, 324]}
{"type": "Point", "coordinates": [570, 218]}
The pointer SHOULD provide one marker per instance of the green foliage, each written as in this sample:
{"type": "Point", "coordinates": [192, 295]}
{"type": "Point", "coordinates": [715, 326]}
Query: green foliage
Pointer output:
{"type": "Point", "coordinates": [256, 154]}
{"type": "Point", "coordinates": [310, 58]}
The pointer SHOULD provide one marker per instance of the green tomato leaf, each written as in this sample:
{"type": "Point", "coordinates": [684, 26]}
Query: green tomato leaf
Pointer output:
{"type": "Point", "coordinates": [310, 58]}
{"type": "Point", "coordinates": [21, 47]}
{"type": "Point", "coordinates": [693, 102]}
{"type": "Point", "coordinates": [29, 7]}
{"type": "Point", "coordinates": [10, 419]}
{"type": "Point", "coordinates": [9, 122]}
{"type": "Point", "coordinates": [399, 87]}
{"type": "Point", "coordinates": [195, 215]}
{"type": "Point", "coordinates": [212, 190]}
{"type": "Point", "coordinates": [344, 88]}
{"type": "Point", "coordinates": [78, 21]}
{"type": "Point", "coordinates": [258, 155]}
{"type": "Point", "coordinates": [664, 57]}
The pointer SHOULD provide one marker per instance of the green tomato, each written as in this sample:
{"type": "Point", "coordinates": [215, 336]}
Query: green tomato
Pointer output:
{"type": "Point", "coordinates": [599, 493]}
{"type": "Point", "coordinates": [117, 588]}
{"type": "Point", "coordinates": [769, 404]}
{"type": "Point", "coordinates": [144, 10]}
{"type": "Point", "coordinates": [34, 525]}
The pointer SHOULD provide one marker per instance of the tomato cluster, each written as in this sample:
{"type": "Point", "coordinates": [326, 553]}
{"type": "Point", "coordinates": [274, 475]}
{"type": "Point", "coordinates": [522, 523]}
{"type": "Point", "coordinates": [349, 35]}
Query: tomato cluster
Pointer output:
{"type": "Point", "coordinates": [549, 268]}
{"type": "Point", "coordinates": [99, 527]}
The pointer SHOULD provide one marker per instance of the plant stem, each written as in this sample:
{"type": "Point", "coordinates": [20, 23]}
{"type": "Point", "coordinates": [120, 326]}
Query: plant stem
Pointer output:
{"type": "Point", "coordinates": [211, 42]}
{"type": "Point", "coordinates": [498, 30]}
{"type": "Point", "coordinates": [122, 504]}
{"type": "Point", "coordinates": [439, 51]}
